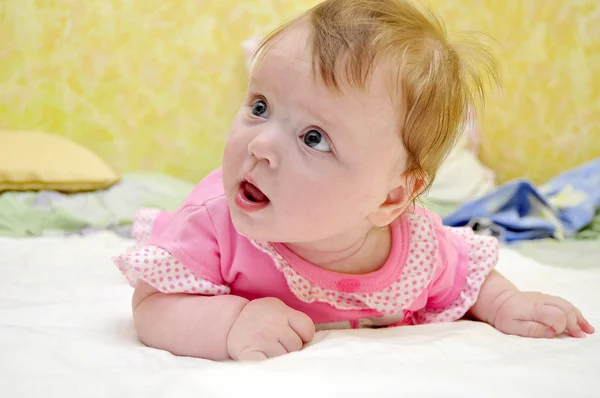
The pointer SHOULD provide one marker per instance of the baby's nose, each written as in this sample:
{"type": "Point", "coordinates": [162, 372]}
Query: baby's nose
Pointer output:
{"type": "Point", "coordinates": [263, 147]}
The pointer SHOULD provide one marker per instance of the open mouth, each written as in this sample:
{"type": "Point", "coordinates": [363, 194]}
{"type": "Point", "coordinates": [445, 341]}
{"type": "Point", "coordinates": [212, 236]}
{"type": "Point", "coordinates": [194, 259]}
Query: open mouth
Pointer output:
{"type": "Point", "coordinates": [252, 193]}
{"type": "Point", "coordinates": [249, 198]}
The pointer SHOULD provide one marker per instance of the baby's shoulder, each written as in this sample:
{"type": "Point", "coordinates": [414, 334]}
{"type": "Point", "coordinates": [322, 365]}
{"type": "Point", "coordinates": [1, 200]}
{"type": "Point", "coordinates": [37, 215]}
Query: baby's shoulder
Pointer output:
{"type": "Point", "coordinates": [204, 212]}
{"type": "Point", "coordinates": [422, 226]}
{"type": "Point", "coordinates": [208, 191]}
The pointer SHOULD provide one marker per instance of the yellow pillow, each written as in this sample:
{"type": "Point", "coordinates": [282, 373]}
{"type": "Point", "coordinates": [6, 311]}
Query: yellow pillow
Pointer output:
{"type": "Point", "coordinates": [32, 161]}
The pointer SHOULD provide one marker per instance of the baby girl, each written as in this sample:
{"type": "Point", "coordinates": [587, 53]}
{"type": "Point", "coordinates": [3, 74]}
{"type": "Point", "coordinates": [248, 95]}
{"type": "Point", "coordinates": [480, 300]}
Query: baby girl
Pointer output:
{"type": "Point", "coordinates": [311, 222]}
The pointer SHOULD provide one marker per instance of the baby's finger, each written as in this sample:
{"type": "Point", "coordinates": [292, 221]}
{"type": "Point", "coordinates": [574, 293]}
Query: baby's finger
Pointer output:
{"type": "Point", "coordinates": [571, 313]}
{"type": "Point", "coordinates": [274, 349]}
{"type": "Point", "coordinates": [252, 355]}
{"type": "Point", "coordinates": [302, 325]}
{"type": "Point", "coordinates": [573, 325]}
{"type": "Point", "coordinates": [550, 316]}
{"type": "Point", "coordinates": [583, 323]}
{"type": "Point", "coordinates": [533, 329]}
{"type": "Point", "coordinates": [290, 340]}
{"type": "Point", "coordinates": [587, 327]}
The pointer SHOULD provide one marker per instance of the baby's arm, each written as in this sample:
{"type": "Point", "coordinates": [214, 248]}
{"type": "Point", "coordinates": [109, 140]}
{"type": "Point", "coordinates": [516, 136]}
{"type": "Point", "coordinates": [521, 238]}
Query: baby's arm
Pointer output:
{"type": "Point", "coordinates": [529, 314]}
{"type": "Point", "coordinates": [185, 325]}
{"type": "Point", "coordinates": [494, 292]}
{"type": "Point", "coordinates": [218, 327]}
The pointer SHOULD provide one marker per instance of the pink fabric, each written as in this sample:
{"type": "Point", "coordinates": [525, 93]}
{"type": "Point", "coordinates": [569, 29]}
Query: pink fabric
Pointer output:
{"type": "Point", "coordinates": [433, 273]}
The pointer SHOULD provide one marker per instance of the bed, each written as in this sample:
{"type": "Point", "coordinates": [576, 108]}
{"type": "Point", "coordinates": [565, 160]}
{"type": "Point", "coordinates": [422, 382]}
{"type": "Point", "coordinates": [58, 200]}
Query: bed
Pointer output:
{"type": "Point", "coordinates": [65, 330]}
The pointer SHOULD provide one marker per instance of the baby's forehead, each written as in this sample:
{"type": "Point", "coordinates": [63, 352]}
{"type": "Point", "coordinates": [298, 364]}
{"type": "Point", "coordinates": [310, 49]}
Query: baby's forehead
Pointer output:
{"type": "Point", "coordinates": [295, 45]}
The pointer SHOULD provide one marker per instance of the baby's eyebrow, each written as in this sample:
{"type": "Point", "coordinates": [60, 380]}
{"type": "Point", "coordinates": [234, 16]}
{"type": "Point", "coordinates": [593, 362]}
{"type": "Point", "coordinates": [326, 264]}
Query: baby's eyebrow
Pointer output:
{"type": "Point", "coordinates": [325, 118]}
{"type": "Point", "coordinates": [254, 80]}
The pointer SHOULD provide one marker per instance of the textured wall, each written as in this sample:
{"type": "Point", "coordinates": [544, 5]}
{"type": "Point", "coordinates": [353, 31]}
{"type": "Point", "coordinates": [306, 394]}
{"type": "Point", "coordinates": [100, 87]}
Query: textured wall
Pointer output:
{"type": "Point", "coordinates": [546, 119]}
{"type": "Point", "coordinates": [153, 84]}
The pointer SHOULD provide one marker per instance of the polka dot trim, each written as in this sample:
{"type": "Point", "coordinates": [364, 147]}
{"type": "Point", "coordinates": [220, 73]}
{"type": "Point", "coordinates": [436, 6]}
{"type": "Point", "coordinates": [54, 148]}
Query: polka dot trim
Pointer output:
{"type": "Point", "coordinates": [164, 272]}
{"type": "Point", "coordinates": [399, 295]}
{"type": "Point", "coordinates": [142, 227]}
{"type": "Point", "coordinates": [483, 256]}
{"type": "Point", "coordinates": [156, 266]}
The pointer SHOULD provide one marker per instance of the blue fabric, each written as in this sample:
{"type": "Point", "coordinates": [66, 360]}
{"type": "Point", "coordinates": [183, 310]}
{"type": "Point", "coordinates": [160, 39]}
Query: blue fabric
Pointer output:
{"type": "Point", "coordinates": [521, 211]}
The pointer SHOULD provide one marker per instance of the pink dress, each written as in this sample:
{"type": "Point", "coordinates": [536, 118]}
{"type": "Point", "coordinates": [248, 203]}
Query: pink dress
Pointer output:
{"type": "Point", "coordinates": [433, 273]}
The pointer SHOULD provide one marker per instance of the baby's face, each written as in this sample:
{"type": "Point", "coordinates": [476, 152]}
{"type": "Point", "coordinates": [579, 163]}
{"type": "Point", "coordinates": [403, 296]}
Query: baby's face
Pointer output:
{"type": "Point", "coordinates": [303, 163]}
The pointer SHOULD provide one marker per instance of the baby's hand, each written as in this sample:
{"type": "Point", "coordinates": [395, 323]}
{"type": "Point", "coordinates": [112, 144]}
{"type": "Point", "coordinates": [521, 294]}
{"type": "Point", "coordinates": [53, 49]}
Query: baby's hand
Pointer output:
{"type": "Point", "coordinates": [532, 314]}
{"type": "Point", "coordinates": [267, 328]}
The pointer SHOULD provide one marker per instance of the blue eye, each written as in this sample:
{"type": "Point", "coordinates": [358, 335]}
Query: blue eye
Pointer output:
{"type": "Point", "coordinates": [316, 141]}
{"type": "Point", "coordinates": [260, 109]}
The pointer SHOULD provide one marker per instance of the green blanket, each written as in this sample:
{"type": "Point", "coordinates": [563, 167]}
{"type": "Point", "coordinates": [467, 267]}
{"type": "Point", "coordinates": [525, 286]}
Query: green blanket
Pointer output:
{"type": "Point", "coordinates": [47, 213]}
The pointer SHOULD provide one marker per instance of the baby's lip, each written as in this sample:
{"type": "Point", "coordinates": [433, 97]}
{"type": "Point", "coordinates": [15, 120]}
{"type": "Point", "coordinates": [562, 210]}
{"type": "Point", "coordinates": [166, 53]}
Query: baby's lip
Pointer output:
{"type": "Point", "coordinates": [250, 180]}
{"type": "Point", "coordinates": [249, 198]}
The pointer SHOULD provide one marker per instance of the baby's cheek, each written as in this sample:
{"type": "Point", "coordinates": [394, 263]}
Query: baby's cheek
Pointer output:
{"type": "Point", "coordinates": [309, 208]}
{"type": "Point", "coordinates": [236, 147]}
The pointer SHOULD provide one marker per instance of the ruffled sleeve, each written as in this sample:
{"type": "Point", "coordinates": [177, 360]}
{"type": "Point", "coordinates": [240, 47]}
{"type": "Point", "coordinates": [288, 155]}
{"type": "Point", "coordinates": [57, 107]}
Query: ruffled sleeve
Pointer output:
{"type": "Point", "coordinates": [466, 260]}
{"type": "Point", "coordinates": [161, 255]}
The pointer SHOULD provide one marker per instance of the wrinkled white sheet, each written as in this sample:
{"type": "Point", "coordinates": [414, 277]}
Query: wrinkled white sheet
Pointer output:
{"type": "Point", "coordinates": [65, 331]}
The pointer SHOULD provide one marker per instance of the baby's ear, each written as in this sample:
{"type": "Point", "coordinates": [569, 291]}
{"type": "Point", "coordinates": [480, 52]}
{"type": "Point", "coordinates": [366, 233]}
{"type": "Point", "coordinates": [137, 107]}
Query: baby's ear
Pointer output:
{"type": "Point", "coordinates": [397, 200]}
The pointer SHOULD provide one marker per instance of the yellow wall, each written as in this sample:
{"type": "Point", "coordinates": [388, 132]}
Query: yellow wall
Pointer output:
{"type": "Point", "coordinates": [153, 84]}
{"type": "Point", "coordinates": [546, 119]}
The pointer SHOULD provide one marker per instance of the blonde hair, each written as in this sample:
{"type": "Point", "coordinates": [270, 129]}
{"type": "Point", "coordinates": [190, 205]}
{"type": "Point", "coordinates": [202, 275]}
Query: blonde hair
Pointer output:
{"type": "Point", "coordinates": [436, 82]}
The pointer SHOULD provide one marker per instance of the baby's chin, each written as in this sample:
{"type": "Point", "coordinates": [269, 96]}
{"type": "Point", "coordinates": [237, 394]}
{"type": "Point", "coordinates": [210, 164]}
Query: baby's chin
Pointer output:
{"type": "Point", "coordinates": [256, 230]}
{"type": "Point", "coordinates": [266, 226]}
{"type": "Point", "coordinates": [250, 227]}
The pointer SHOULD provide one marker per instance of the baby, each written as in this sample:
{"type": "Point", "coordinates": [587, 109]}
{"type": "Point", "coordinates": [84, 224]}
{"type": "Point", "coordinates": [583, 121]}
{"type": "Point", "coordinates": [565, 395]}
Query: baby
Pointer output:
{"type": "Point", "coordinates": [350, 110]}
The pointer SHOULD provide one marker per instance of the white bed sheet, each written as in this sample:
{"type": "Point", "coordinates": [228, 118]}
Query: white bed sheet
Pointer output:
{"type": "Point", "coordinates": [65, 331]}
